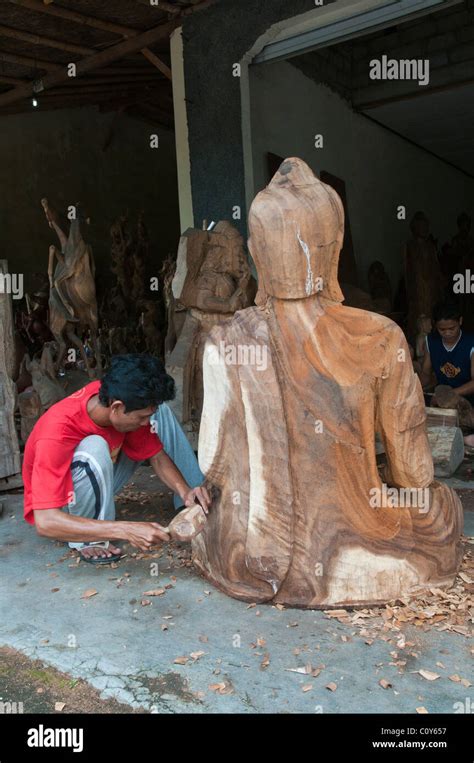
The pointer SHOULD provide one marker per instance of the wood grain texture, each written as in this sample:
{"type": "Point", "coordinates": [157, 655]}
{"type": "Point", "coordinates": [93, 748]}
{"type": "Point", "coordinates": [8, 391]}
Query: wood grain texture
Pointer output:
{"type": "Point", "coordinates": [447, 449]}
{"type": "Point", "coordinates": [187, 524]}
{"type": "Point", "coordinates": [288, 429]}
{"type": "Point", "coordinates": [442, 417]}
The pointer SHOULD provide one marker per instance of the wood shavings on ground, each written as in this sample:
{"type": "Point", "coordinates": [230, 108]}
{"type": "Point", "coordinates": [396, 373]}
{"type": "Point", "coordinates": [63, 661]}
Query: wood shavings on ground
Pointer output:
{"type": "Point", "coordinates": [450, 609]}
{"type": "Point", "coordinates": [138, 496]}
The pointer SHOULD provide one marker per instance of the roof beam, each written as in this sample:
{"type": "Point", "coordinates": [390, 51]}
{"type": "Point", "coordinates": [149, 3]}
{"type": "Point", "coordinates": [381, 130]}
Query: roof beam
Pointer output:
{"type": "Point", "coordinates": [149, 78]}
{"type": "Point", "coordinates": [72, 87]}
{"type": "Point", "coordinates": [153, 59]}
{"type": "Point", "coordinates": [181, 10]}
{"type": "Point", "coordinates": [30, 63]}
{"type": "Point", "coordinates": [11, 80]}
{"type": "Point", "coordinates": [95, 61]}
{"type": "Point", "coordinates": [35, 39]}
{"type": "Point", "coordinates": [94, 23]}
{"type": "Point", "coordinates": [118, 71]}
{"type": "Point", "coordinates": [74, 16]}
{"type": "Point", "coordinates": [107, 87]}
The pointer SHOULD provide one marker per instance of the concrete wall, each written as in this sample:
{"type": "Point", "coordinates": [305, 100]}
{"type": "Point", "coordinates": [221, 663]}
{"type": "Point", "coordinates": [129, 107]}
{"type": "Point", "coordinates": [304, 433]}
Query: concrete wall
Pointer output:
{"type": "Point", "coordinates": [214, 40]}
{"type": "Point", "coordinates": [445, 38]}
{"type": "Point", "coordinates": [331, 66]}
{"type": "Point", "coordinates": [60, 155]}
{"type": "Point", "coordinates": [380, 169]}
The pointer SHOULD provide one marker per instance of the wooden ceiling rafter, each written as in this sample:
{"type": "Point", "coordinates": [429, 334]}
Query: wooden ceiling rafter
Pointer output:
{"type": "Point", "coordinates": [94, 23]}
{"type": "Point", "coordinates": [48, 42]}
{"type": "Point", "coordinates": [30, 63]}
{"type": "Point", "coordinates": [77, 18]}
{"type": "Point", "coordinates": [84, 65]}
{"type": "Point", "coordinates": [106, 67]}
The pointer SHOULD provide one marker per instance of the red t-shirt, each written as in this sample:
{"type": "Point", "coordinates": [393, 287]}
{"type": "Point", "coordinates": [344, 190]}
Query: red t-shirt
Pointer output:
{"type": "Point", "coordinates": [50, 448]}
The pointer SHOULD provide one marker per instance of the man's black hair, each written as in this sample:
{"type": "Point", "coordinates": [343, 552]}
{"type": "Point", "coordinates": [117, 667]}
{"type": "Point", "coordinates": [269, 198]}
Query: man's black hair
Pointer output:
{"type": "Point", "coordinates": [446, 311]}
{"type": "Point", "coordinates": [138, 380]}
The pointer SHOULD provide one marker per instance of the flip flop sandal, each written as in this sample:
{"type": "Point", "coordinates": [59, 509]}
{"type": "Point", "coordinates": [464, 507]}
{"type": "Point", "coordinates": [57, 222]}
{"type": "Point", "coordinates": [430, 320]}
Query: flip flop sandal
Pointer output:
{"type": "Point", "coordinates": [99, 559]}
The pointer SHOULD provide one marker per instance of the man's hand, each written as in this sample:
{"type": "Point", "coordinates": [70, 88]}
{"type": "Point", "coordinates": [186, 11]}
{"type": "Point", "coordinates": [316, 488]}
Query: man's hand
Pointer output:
{"type": "Point", "coordinates": [144, 535]}
{"type": "Point", "coordinates": [200, 493]}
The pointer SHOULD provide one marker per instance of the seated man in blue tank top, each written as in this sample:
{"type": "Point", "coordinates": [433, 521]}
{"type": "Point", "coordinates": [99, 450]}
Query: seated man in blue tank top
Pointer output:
{"type": "Point", "coordinates": [450, 352]}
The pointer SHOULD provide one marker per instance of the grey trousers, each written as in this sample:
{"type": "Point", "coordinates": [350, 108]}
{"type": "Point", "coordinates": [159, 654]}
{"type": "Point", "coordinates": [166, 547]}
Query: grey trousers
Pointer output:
{"type": "Point", "coordinates": [96, 479]}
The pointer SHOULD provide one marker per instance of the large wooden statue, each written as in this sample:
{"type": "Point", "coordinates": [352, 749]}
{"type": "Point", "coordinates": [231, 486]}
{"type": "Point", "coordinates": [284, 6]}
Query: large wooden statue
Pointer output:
{"type": "Point", "coordinates": [72, 298]}
{"type": "Point", "coordinates": [294, 391]}
{"type": "Point", "coordinates": [211, 282]}
{"type": "Point", "coordinates": [423, 279]}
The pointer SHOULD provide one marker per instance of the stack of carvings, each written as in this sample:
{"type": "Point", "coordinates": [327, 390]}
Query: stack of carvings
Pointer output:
{"type": "Point", "coordinates": [132, 320]}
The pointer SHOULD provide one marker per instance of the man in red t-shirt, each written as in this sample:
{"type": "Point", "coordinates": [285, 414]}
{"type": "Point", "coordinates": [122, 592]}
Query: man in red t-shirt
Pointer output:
{"type": "Point", "coordinates": [86, 447]}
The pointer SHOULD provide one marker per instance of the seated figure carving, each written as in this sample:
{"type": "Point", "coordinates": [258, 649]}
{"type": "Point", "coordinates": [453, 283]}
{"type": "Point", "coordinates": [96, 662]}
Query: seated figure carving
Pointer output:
{"type": "Point", "coordinates": [295, 390]}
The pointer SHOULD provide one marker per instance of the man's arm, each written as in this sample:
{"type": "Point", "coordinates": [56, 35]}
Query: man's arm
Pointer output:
{"type": "Point", "coordinates": [58, 524]}
{"type": "Point", "coordinates": [426, 369]}
{"type": "Point", "coordinates": [468, 388]}
{"type": "Point", "coordinates": [169, 473]}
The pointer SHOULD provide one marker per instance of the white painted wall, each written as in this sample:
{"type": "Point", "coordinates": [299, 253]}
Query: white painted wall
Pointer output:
{"type": "Point", "coordinates": [380, 169]}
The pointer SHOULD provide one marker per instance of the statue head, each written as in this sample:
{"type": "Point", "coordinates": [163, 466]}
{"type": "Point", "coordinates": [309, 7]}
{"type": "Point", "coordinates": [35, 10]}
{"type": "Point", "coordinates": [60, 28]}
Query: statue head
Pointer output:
{"type": "Point", "coordinates": [296, 227]}
{"type": "Point", "coordinates": [216, 258]}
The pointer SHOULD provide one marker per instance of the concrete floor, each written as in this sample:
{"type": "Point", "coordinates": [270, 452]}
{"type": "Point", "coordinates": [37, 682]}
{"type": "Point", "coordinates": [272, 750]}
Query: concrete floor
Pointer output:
{"type": "Point", "coordinates": [119, 646]}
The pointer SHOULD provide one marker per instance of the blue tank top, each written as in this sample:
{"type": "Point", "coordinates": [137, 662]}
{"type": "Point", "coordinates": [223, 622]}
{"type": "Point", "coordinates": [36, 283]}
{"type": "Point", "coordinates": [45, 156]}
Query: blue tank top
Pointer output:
{"type": "Point", "coordinates": [452, 367]}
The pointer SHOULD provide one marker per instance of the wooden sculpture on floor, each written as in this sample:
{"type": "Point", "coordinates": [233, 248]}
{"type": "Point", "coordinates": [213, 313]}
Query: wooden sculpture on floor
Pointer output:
{"type": "Point", "coordinates": [463, 244]}
{"type": "Point", "coordinates": [423, 279]}
{"type": "Point", "coordinates": [129, 254]}
{"type": "Point", "coordinates": [288, 429]}
{"type": "Point", "coordinates": [72, 298]}
{"type": "Point", "coordinates": [212, 281]}
{"type": "Point", "coordinates": [44, 380]}
{"type": "Point", "coordinates": [132, 315]}
{"type": "Point", "coordinates": [380, 287]}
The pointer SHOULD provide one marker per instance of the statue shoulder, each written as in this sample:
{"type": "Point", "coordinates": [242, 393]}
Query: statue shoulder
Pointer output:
{"type": "Point", "coordinates": [247, 325]}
